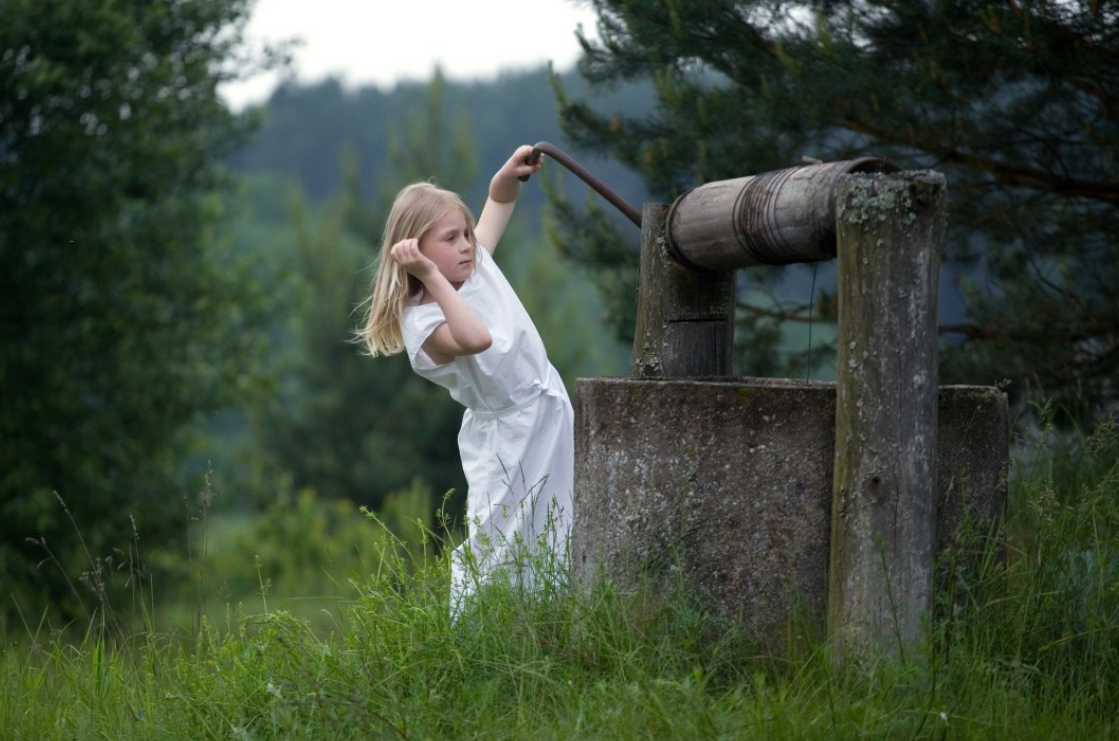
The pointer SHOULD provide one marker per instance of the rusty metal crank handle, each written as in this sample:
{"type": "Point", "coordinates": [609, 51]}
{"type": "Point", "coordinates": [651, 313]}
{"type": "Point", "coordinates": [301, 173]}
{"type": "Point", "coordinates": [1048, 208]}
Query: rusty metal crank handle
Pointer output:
{"type": "Point", "coordinates": [583, 174]}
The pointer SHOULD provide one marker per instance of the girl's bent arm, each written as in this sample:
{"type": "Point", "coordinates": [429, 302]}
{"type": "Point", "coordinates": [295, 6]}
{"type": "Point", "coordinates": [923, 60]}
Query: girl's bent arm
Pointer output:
{"type": "Point", "coordinates": [463, 333]}
{"type": "Point", "coordinates": [504, 189]}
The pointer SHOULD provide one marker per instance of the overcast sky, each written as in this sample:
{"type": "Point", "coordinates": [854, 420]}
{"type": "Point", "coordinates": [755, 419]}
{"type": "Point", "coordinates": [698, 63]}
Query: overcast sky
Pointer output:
{"type": "Point", "coordinates": [384, 41]}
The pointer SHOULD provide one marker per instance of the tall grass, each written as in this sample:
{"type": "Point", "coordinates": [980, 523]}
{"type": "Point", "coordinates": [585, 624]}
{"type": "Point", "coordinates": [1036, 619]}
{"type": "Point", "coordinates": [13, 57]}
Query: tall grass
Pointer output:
{"type": "Point", "coordinates": [1024, 645]}
{"type": "Point", "coordinates": [1049, 619]}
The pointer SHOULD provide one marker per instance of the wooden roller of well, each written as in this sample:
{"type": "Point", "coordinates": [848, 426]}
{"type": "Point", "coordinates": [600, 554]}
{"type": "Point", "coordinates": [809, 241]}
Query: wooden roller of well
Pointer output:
{"type": "Point", "coordinates": [773, 218]}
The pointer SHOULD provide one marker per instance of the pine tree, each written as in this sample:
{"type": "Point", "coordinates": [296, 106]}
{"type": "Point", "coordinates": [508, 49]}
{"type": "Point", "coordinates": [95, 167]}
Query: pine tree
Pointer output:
{"type": "Point", "coordinates": [1017, 103]}
{"type": "Point", "coordinates": [123, 317]}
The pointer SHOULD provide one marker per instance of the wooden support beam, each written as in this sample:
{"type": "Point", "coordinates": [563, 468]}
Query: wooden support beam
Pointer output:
{"type": "Point", "coordinates": [883, 521]}
{"type": "Point", "coordinates": [685, 318]}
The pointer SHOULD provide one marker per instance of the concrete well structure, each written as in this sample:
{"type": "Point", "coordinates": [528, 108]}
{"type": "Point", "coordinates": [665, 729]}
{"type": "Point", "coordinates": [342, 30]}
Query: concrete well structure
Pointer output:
{"type": "Point", "coordinates": [727, 484]}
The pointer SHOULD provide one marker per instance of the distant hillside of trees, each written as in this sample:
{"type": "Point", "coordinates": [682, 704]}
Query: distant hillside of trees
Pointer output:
{"type": "Point", "coordinates": [309, 128]}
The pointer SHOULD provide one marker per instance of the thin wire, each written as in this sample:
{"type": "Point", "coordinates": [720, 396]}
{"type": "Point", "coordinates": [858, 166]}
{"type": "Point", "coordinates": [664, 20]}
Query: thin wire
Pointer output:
{"type": "Point", "coordinates": [811, 304]}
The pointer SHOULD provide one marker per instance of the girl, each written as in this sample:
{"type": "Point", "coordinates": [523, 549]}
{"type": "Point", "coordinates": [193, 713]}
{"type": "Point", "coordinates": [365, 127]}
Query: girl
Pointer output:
{"type": "Point", "coordinates": [439, 295]}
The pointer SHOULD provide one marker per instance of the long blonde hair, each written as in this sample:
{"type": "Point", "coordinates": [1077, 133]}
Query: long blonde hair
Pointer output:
{"type": "Point", "coordinates": [416, 209]}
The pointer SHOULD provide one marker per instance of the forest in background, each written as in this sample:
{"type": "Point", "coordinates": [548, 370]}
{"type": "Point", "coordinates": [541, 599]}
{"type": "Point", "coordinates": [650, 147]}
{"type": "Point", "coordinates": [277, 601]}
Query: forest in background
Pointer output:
{"type": "Point", "coordinates": [315, 425]}
{"type": "Point", "coordinates": [319, 426]}
{"type": "Point", "coordinates": [315, 429]}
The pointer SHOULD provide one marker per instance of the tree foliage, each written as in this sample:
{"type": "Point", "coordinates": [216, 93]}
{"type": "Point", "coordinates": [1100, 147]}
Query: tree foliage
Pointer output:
{"type": "Point", "coordinates": [1017, 103]}
{"type": "Point", "coordinates": [121, 317]}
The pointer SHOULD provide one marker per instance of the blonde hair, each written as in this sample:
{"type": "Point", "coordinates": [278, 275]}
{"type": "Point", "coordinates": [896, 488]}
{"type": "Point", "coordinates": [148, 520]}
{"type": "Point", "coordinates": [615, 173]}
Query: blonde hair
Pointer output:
{"type": "Point", "coordinates": [416, 209]}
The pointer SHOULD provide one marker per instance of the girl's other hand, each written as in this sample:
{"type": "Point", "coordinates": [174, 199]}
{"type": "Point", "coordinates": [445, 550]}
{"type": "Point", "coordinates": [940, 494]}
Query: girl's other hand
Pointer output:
{"type": "Point", "coordinates": [406, 253]}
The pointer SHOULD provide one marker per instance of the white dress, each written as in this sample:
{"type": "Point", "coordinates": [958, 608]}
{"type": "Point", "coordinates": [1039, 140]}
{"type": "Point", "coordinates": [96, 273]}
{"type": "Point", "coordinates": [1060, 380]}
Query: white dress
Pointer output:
{"type": "Point", "coordinates": [516, 441]}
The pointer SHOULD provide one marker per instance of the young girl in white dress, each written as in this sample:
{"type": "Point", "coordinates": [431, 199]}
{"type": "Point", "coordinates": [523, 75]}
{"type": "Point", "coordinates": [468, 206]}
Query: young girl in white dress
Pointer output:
{"type": "Point", "coordinates": [439, 296]}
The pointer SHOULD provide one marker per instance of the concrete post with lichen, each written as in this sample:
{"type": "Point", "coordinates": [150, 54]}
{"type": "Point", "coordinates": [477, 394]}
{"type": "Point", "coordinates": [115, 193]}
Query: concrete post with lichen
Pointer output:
{"type": "Point", "coordinates": [890, 228]}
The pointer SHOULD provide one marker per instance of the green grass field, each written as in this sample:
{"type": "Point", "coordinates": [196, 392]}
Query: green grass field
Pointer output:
{"type": "Point", "coordinates": [1025, 646]}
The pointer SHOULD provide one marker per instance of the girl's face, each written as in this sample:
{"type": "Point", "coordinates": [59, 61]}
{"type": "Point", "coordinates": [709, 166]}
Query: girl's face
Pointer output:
{"type": "Point", "coordinates": [449, 244]}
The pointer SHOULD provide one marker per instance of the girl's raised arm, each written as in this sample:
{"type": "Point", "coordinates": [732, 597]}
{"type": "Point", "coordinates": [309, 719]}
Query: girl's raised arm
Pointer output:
{"type": "Point", "coordinates": [504, 189]}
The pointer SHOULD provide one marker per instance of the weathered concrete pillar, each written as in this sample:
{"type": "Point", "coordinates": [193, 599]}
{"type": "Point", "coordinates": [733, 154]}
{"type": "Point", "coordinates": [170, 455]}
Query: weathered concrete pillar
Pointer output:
{"type": "Point", "coordinates": [726, 484]}
{"type": "Point", "coordinates": [883, 528]}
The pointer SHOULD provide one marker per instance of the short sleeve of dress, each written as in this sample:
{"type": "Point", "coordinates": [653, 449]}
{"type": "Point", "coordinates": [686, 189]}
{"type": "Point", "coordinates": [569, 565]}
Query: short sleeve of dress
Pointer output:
{"type": "Point", "coordinates": [417, 324]}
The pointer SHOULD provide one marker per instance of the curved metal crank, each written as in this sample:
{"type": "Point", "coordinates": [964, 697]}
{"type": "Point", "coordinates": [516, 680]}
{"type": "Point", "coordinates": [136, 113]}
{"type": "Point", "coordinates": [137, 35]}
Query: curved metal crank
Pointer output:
{"type": "Point", "coordinates": [583, 174]}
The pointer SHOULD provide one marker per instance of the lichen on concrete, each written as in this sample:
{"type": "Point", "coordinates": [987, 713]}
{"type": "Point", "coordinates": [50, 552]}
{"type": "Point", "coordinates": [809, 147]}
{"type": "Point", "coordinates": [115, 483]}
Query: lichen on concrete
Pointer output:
{"type": "Point", "coordinates": [863, 197]}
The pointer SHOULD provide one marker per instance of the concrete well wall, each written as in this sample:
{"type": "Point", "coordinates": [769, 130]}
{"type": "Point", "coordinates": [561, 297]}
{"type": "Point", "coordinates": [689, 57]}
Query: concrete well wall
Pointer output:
{"type": "Point", "coordinates": [727, 483]}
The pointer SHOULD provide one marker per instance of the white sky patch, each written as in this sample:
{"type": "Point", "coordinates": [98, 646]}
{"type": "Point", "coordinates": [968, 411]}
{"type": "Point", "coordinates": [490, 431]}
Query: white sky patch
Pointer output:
{"type": "Point", "coordinates": [382, 42]}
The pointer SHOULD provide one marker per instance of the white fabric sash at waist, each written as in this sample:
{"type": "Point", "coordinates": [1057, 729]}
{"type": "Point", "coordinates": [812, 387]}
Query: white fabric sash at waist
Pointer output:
{"type": "Point", "coordinates": [538, 388]}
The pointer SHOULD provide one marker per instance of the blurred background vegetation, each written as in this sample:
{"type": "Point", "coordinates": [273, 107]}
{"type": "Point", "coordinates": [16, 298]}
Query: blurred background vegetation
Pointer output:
{"type": "Point", "coordinates": [180, 286]}
{"type": "Point", "coordinates": [180, 401]}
